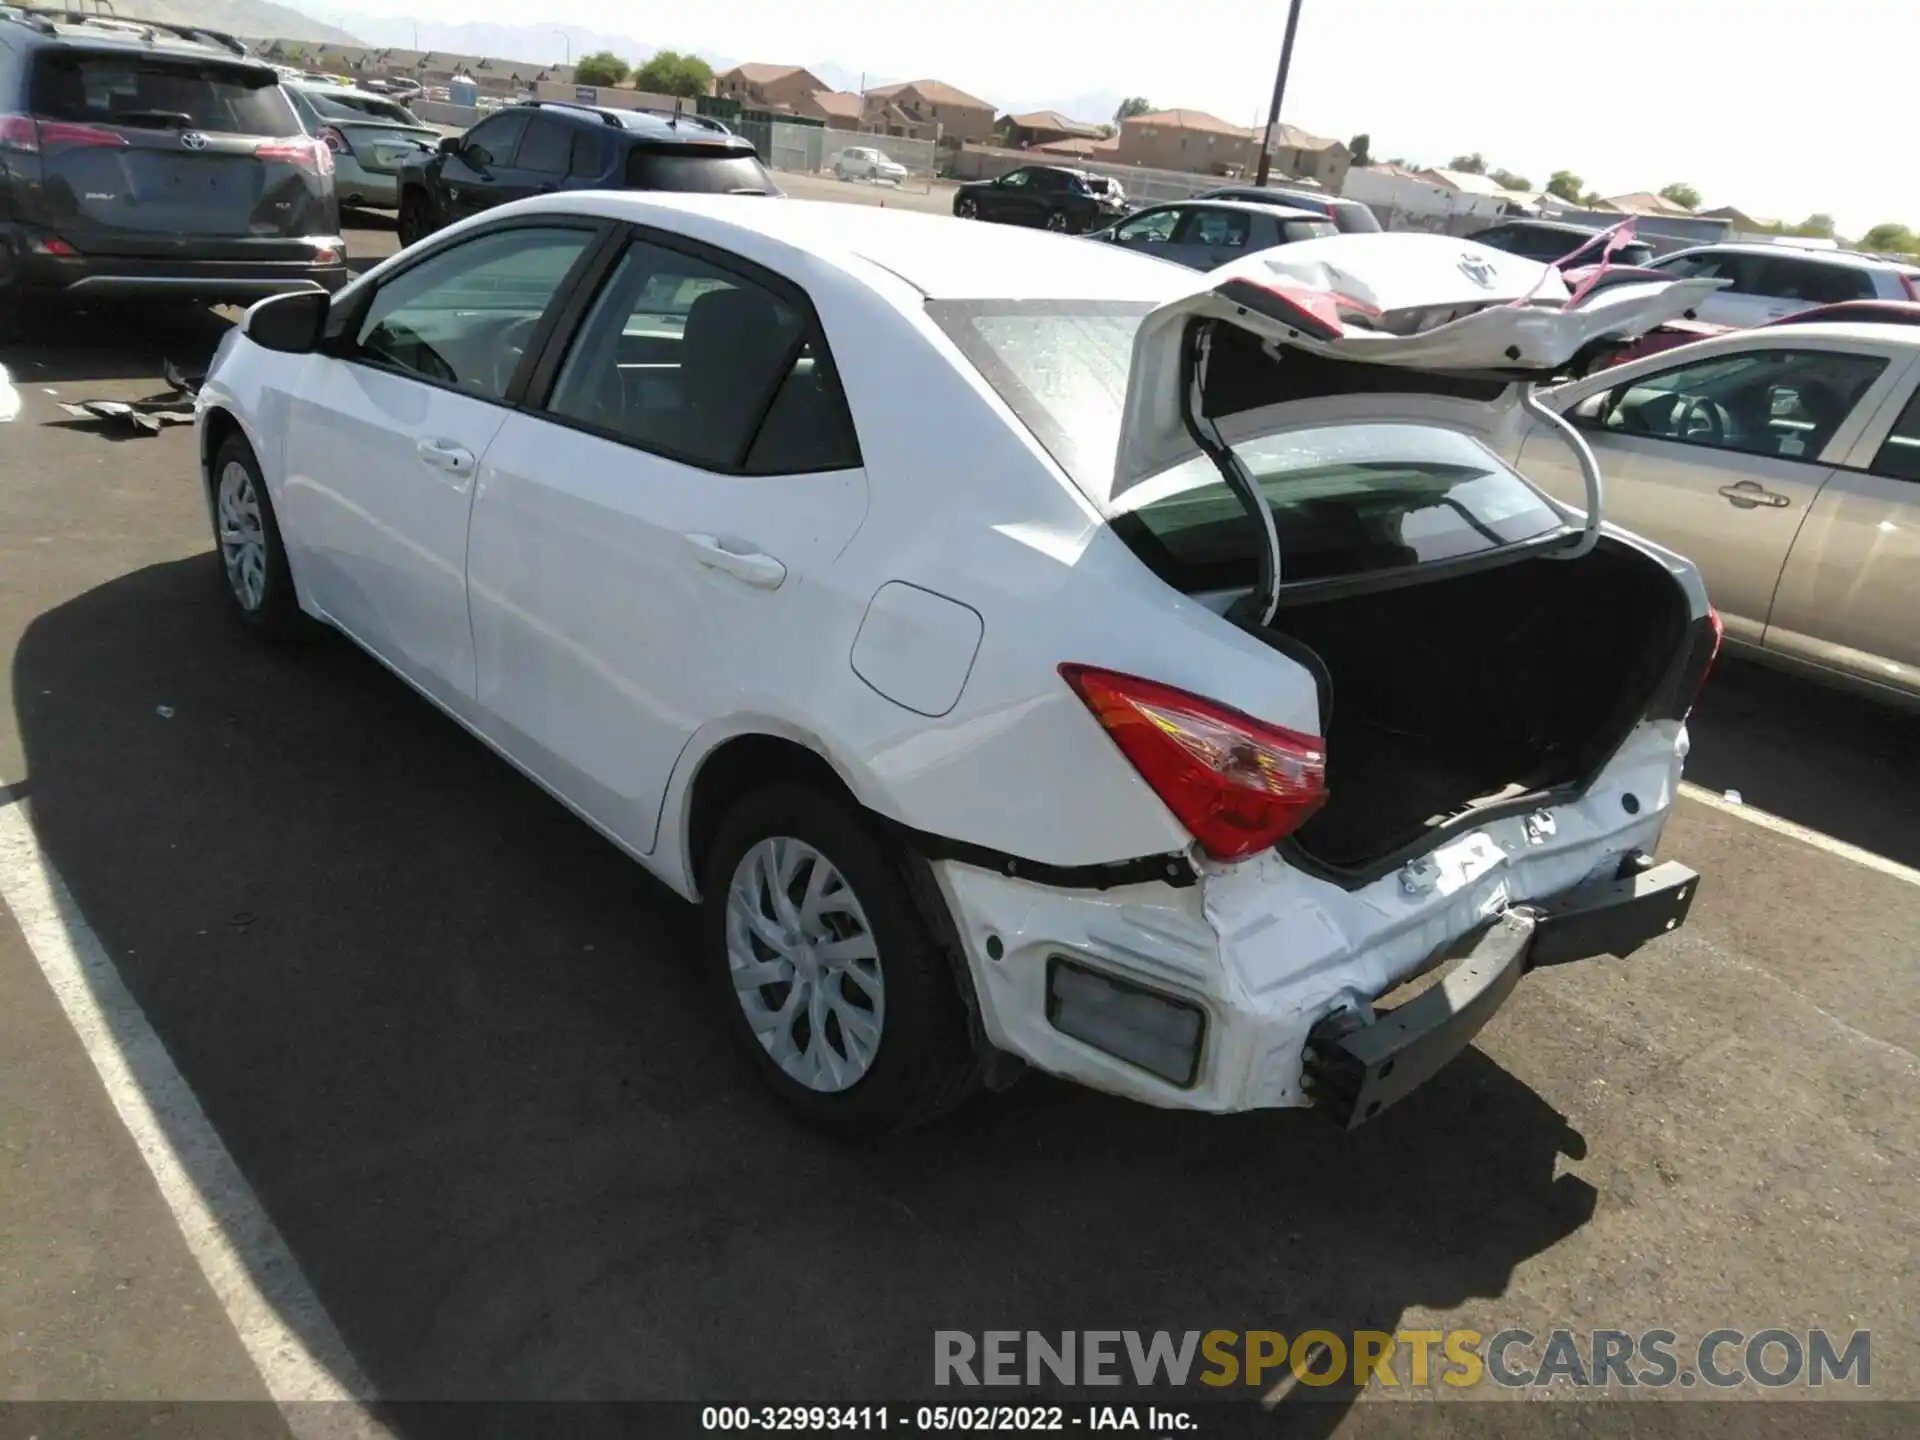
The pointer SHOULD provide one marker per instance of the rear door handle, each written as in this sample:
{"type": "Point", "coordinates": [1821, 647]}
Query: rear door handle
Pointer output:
{"type": "Point", "coordinates": [1750, 494]}
{"type": "Point", "coordinates": [763, 572]}
{"type": "Point", "coordinates": [445, 455]}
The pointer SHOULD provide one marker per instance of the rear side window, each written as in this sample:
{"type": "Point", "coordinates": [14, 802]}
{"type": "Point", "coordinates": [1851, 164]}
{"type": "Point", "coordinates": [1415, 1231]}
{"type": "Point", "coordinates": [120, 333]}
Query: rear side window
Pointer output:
{"type": "Point", "coordinates": [1308, 229]}
{"type": "Point", "coordinates": [698, 170]}
{"type": "Point", "coordinates": [1742, 270]}
{"type": "Point", "coordinates": [1814, 282]}
{"type": "Point", "coordinates": [361, 107]}
{"type": "Point", "coordinates": [157, 91]}
{"type": "Point", "coordinates": [695, 361]}
{"type": "Point", "coordinates": [587, 161]}
{"type": "Point", "coordinates": [1899, 456]}
{"type": "Point", "coordinates": [545, 147]}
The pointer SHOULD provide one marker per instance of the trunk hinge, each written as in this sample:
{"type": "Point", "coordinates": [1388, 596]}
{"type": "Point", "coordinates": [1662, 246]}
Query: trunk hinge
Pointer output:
{"type": "Point", "coordinates": [1259, 607]}
{"type": "Point", "coordinates": [1583, 457]}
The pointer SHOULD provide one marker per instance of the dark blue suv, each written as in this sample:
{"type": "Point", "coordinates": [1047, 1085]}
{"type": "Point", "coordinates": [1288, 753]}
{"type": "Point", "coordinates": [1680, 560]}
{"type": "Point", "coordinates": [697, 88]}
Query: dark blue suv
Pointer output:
{"type": "Point", "coordinates": [539, 146]}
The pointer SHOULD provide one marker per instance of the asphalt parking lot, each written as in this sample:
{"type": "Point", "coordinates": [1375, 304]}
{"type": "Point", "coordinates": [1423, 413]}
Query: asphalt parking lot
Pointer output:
{"type": "Point", "coordinates": [454, 1044]}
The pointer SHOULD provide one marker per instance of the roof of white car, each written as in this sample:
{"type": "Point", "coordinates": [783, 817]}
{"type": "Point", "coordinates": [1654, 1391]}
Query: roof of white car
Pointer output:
{"type": "Point", "coordinates": [943, 257]}
{"type": "Point", "coordinates": [1792, 252]}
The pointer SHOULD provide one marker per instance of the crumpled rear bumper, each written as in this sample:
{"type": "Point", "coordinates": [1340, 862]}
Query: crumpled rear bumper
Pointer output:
{"type": "Point", "coordinates": [1266, 952]}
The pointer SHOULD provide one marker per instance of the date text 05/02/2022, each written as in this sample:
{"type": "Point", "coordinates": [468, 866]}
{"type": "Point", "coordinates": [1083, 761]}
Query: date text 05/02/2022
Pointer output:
{"type": "Point", "coordinates": [929, 1419]}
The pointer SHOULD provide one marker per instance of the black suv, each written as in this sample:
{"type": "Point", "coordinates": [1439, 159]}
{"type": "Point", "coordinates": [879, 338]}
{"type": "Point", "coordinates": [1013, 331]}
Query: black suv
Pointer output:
{"type": "Point", "coordinates": [1049, 196]}
{"type": "Point", "coordinates": [536, 147]}
{"type": "Point", "coordinates": [1551, 242]}
{"type": "Point", "coordinates": [142, 158]}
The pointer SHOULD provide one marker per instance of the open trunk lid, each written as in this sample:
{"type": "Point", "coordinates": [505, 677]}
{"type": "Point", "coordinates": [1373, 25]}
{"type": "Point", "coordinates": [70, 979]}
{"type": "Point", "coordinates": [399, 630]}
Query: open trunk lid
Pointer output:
{"type": "Point", "coordinates": [143, 153]}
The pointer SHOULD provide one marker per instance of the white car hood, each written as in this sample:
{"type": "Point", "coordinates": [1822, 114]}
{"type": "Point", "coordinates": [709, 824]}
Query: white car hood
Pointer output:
{"type": "Point", "coordinates": [1421, 302]}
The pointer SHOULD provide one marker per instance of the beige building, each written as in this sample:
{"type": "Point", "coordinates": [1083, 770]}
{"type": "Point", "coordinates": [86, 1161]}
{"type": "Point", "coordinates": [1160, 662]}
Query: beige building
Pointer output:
{"type": "Point", "coordinates": [768, 87]}
{"type": "Point", "coordinates": [1047, 127]}
{"type": "Point", "coordinates": [840, 109]}
{"type": "Point", "coordinates": [1303, 156]}
{"type": "Point", "coordinates": [1189, 140]}
{"type": "Point", "coordinates": [929, 108]}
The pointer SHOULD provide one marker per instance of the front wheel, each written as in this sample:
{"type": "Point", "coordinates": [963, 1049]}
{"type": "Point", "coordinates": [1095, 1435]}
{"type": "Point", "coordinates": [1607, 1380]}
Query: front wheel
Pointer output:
{"type": "Point", "coordinates": [1058, 221]}
{"type": "Point", "coordinates": [836, 985]}
{"type": "Point", "coordinates": [246, 534]}
{"type": "Point", "coordinates": [967, 208]}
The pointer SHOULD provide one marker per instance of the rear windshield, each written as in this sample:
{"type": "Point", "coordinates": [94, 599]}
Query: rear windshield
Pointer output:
{"type": "Point", "coordinates": [154, 91]}
{"type": "Point", "coordinates": [1346, 499]}
{"type": "Point", "coordinates": [360, 107]}
{"type": "Point", "coordinates": [1309, 229]}
{"type": "Point", "coordinates": [698, 170]}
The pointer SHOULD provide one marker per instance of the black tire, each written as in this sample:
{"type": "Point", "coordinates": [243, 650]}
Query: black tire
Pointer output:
{"type": "Point", "coordinates": [967, 208]}
{"type": "Point", "coordinates": [1060, 221]}
{"type": "Point", "coordinates": [276, 616]}
{"type": "Point", "coordinates": [415, 221]}
{"type": "Point", "coordinates": [924, 1063]}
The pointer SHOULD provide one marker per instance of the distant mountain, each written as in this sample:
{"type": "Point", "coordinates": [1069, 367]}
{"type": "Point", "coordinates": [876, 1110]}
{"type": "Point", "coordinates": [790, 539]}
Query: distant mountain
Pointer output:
{"type": "Point", "coordinates": [539, 44]}
{"type": "Point", "coordinates": [841, 78]}
{"type": "Point", "coordinates": [253, 19]}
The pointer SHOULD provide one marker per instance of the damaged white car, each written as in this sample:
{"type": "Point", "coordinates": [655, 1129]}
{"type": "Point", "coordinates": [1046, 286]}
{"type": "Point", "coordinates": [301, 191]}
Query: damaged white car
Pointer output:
{"type": "Point", "coordinates": [1020, 651]}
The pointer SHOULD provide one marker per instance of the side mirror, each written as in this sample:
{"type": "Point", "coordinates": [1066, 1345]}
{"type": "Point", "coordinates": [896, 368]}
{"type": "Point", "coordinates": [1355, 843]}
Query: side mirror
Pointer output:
{"type": "Point", "coordinates": [450, 144]}
{"type": "Point", "coordinates": [1592, 410]}
{"type": "Point", "coordinates": [291, 324]}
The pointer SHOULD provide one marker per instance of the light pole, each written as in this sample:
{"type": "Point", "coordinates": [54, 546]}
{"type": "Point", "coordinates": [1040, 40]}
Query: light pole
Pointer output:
{"type": "Point", "coordinates": [1279, 89]}
{"type": "Point", "coordinates": [569, 39]}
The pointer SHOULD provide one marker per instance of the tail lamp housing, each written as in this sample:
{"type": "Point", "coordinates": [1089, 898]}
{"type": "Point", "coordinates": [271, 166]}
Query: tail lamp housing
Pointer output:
{"type": "Point", "coordinates": [1238, 784]}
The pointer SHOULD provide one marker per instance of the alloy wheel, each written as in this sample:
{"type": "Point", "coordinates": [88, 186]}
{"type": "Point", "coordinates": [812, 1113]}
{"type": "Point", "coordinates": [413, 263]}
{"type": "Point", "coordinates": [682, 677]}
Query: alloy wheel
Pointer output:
{"type": "Point", "coordinates": [243, 536]}
{"type": "Point", "coordinates": [804, 964]}
{"type": "Point", "coordinates": [1057, 220]}
{"type": "Point", "coordinates": [967, 209]}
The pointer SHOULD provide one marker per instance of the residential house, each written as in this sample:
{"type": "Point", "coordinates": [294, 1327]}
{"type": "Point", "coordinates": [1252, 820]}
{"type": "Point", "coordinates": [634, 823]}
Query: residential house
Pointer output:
{"type": "Point", "coordinates": [840, 109]}
{"type": "Point", "coordinates": [1106, 148]}
{"type": "Point", "coordinates": [769, 87]}
{"type": "Point", "coordinates": [1047, 127]}
{"type": "Point", "coordinates": [1396, 189]}
{"type": "Point", "coordinates": [1742, 222]}
{"type": "Point", "coordinates": [1189, 140]}
{"type": "Point", "coordinates": [950, 113]}
{"type": "Point", "coordinates": [1311, 157]}
{"type": "Point", "coordinates": [1642, 203]}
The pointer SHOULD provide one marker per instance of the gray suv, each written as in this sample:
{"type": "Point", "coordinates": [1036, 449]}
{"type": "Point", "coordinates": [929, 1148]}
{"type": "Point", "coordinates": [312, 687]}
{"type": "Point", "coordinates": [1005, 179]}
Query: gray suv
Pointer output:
{"type": "Point", "coordinates": [142, 158]}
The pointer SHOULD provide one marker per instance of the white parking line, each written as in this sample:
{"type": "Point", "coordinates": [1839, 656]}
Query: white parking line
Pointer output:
{"type": "Point", "coordinates": [1815, 838]}
{"type": "Point", "coordinates": [287, 1335]}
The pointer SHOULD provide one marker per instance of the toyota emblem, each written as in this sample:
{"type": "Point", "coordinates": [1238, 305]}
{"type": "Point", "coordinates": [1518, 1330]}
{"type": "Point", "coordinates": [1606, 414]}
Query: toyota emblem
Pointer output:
{"type": "Point", "coordinates": [1479, 271]}
{"type": "Point", "coordinates": [193, 140]}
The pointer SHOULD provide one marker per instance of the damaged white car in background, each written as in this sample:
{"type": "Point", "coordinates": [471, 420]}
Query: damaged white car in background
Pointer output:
{"type": "Point", "coordinates": [1018, 651]}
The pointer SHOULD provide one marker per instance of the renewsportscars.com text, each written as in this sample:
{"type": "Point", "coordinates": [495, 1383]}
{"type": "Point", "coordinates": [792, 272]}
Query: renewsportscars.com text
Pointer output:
{"type": "Point", "coordinates": [1404, 1359]}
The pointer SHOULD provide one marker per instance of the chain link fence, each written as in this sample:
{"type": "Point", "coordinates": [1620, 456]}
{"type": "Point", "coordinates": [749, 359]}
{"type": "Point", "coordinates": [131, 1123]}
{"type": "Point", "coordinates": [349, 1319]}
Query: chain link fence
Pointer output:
{"type": "Point", "coordinates": [847, 155]}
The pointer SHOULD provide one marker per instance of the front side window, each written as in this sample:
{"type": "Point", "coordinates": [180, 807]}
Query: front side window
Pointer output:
{"type": "Point", "coordinates": [1782, 403]}
{"type": "Point", "coordinates": [547, 147]}
{"type": "Point", "coordinates": [700, 363]}
{"type": "Point", "coordinates": [464, 317]}
{"type": "Point", "coordinates": [1899, 457]}
{"type": "Point", "coordinates": [1017, 179]}
{"type": "Point", "coordinates": [493, 142]}
{"type": "Point", "coordinates": [1155, 227]}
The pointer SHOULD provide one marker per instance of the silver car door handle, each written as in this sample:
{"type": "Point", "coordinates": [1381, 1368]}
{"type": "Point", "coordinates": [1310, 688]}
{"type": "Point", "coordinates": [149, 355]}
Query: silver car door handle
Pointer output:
{"type": "Point", "coordinates": [445, 455]}
{"type": "Point", "coordinates": [763, 572]}
{"type": "Point", "coordinates": [1749, 494]}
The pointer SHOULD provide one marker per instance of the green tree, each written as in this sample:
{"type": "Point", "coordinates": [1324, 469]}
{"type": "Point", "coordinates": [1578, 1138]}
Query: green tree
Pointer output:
{"type": "Point", "coordinates": [1891, 238]}
{"type": "Point", "coordinates": [603, 67]}
{"type": "Point", "coordinates": [1474, 164]}
{"type": "Point", "coordinates": [1681, 193]}
{"type": "Point", "coordinates": [1819, 226]}
{"type": "Point", "coordinates": [1507, 180]}
{"type": "Point", "coordinates": [1361, 148]}
{"type": "Point", "coordinates": [1131, 106]}
{"type": "Point", "coordinates": [1566, 185]}
{"type": "Point", "coordinates": [1591, 199]}
{"type": "Point", "coordinates": [669, 72]}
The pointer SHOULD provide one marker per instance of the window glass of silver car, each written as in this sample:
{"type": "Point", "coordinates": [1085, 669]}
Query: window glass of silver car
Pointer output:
{"type": "Point", "coordinates": [1783, 403]}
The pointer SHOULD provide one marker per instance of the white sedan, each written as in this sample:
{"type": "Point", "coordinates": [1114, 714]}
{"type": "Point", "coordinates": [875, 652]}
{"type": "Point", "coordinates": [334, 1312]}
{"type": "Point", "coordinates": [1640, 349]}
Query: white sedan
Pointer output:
{"type": "Point", "coordinates": [863, 162]}
{"type": "Point", "coordinates": [1021, 650]}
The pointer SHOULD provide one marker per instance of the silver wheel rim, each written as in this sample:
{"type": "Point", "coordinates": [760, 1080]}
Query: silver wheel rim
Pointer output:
{"type": "Point", "coordinates": [804, 965]}
{"type": "Point", "coordinates": [1056, 221]}
{"type": "Point", "coordinates": [967, 208]}
{"type": "Point", "coordinates": [243, 536]}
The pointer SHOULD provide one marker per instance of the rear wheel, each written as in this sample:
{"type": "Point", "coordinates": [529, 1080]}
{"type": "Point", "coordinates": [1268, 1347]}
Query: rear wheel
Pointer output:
{"type": "Point", "coordinates": [967, 208]}
{"type": "Point", "coordinates": [416, 217]}
{"type": "Point", "coordinates": [836, 985]}
{"type": "Point", "coordinates": [1059, 221]}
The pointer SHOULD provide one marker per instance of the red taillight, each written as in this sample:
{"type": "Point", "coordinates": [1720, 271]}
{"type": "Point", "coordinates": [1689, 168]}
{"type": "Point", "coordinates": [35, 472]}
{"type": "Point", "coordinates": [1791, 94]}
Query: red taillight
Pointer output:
{"type": "Point", "coordinates": [333, 140]}
{"type": "Point", "coordinates": [1238, 784]}
{"type": "Point", "coordinates": [23, 132]}
{"type": "Point", "coordinates": [51, 245]}
{"type": "Point", "coordinates": [307, 154]}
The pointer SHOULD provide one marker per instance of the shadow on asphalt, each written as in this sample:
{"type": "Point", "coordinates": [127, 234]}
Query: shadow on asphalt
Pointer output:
{"type": "Point", "coordinates": [105, 342]}
{"type": "Point", "coordinates": [458, 1046]}
{"type": "Point", "coordinates": [1820, 757]}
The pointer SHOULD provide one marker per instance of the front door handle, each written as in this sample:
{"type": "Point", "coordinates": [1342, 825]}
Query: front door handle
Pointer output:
{"type": "Point", "coordinates": [445, 455]}
{"type": "Point", "coordinates": [763, 572]}
{"type": "Point", "coordinates": [1751, 494]}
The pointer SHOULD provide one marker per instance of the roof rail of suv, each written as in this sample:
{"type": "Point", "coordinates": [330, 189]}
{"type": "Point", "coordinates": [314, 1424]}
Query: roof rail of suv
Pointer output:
{"type": "Point", "coordinates": [131, 24]}
{"type": "Point", "coordinates": [611, 116]}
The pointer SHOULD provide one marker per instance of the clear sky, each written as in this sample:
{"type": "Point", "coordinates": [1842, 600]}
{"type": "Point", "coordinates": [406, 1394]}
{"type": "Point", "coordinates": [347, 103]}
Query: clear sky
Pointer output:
{"type": "Point", "coordinates": [1783, 107]}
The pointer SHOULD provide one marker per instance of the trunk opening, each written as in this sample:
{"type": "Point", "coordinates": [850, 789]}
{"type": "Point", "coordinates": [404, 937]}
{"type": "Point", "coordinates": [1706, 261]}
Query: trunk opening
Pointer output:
{"type": "Point", "coordinates": [1450, 695]}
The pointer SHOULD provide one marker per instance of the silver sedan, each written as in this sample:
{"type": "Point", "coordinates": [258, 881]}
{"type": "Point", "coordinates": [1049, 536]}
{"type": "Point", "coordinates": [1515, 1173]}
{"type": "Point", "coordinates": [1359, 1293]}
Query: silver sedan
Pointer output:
{"type": "Point", "coordinates": [1785, 463]}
